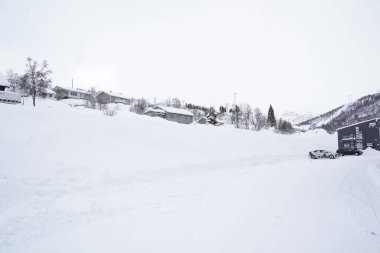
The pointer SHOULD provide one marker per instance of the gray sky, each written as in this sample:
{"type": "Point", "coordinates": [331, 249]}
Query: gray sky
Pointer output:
{"type": "Point", "coordinates": [298, 55]}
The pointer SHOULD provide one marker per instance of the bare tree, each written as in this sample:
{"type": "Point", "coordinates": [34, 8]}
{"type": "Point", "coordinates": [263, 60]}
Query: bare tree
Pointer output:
{"type": "Point", "coordinates": [37, 78]}
{"type": "Point", "coordinates": [259, 120]}
{"type": "Point", "coordinates": [172, 102]}
{"type": "Point", "coordinates": [167, 102]}
{"type": "Point", "coordinates": [139, 106]}
{"type": "Point", "coordinates": [13, 80]}
{"type": "Point", "coordinates": [91, 102]}
{"type": "Point", "coordinates": [235, 113]}
{"type": "Point", "coordinates": [176, 103]}
{"type": "Point", "coordinates": [246, 115]}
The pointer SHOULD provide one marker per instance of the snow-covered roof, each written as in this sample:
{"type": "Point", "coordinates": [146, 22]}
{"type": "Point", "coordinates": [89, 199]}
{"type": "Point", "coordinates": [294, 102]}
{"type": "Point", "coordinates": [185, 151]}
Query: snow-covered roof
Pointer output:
{"type": "Point", "coordinates": [154, 110]}
{"type": "Point", "coordinates": [74, 90]}
{"type": "Point", "coordinates": [49, 91]}
{"type": "Point", "coordinates": [118, 95]}
{"type": "Point", "coordinates": [174, 110]}
{"type": "Point", "coordinates": [358, 123]}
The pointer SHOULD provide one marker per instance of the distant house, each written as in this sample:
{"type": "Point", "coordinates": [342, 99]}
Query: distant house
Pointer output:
{"type": "Point", "coordinates": [3, 86]}
{"type": "Point", "coordinates": [62, 92]}
{"type": "Point", "coordinates": [155, 112]}
{"type": "Point", "coordinates": [7, 96]}
{"type": "Point", "coordinates": [360, 135]}
{"type": "Point", "coordinates": [110, 97]}
{"type": "Point", "coordinates": [170, 113]}
{"type": "Point", "coordinates": [49, 93]}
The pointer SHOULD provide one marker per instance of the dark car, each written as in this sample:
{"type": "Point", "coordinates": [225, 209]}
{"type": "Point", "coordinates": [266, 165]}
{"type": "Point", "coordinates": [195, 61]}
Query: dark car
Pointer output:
{"type": "Point", "coordinates": [349, 151]}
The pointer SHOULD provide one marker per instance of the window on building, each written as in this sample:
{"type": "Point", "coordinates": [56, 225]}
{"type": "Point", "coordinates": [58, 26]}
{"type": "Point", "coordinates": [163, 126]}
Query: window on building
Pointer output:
{"type": "Point", "coordinates": [73, 93]}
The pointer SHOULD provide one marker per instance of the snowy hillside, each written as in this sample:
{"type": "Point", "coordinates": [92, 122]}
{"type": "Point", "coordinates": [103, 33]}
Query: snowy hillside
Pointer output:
{"type": "Point", "coordinates": [296, 118]}
{"type": "Point", "coordinates": [364, 108]}
{"type": "Point", "coordinates": [75, 180]}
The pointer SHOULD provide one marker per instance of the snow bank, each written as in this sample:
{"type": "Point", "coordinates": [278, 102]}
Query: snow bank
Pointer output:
{"type": "Point", "coordinates": [74, 180]}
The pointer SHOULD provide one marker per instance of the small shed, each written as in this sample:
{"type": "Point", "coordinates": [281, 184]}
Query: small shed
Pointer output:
{"type": "Point", "coordinates": [155, 112]}
{"type": "Point", "coordinates": [4, 86]}
{"type": "Point", "coordinates": [175, 114]}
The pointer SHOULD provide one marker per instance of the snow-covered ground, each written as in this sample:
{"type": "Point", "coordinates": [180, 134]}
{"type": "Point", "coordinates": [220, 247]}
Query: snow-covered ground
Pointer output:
{"type": "Point", "coordinates": [75, 180]}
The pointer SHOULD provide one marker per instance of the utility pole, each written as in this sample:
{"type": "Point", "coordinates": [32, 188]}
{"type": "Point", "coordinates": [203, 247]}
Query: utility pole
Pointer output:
{"type": "Point", "coordinates": [72, 83]}
{"type": "Point", "coordinates": [236, 108]}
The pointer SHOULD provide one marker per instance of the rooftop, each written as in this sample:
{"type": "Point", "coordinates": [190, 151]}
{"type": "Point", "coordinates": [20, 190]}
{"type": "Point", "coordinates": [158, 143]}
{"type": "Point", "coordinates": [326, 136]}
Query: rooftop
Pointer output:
{"type": "Point", "coordinates": [174, 110]}
{"type": "Point", "coordinates": [75, 90]}
{"type": "Point", "coordinates": [118, 95]}
{"type": "Point", "coordinates": [358, 123]}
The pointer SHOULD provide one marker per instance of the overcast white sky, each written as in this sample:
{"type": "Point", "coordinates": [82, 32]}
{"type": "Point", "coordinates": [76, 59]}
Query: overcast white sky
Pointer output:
{"type": "Point", "coordinates": [296, 54]}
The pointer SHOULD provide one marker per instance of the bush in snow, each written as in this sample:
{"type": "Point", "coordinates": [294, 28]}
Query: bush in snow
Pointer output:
{"type": "Point", "coordinates": [108, 111]}
{"type": "Point", "coordinates": [258, 120]}
{"type": "Point", "coordinates": [284, 127]}
{"type": "Point", "coordinates": [139, 106]}
{"type": "Point", "coordinates": [211, 117]}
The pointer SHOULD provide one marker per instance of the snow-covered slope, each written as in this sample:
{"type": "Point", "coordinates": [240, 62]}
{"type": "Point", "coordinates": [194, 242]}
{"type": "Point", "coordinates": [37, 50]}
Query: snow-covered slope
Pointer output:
{"type": "Point", "coordinates": [364, 108]}
{"type": "Point", "coordinates": [295, 118]}
{"type": "Point", "coordinates": [75, 180]}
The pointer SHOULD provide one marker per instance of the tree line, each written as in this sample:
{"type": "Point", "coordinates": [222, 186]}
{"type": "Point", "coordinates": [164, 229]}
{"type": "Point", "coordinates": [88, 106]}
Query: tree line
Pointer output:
{"type": "Point", "coordinates": [36, 80]}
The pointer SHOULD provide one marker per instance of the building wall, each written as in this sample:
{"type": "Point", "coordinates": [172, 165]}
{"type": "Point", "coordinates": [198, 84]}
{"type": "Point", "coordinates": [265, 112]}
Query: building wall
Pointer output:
{"type": "Point", "coordinates": [183, 119]}
{"type": "Point", "coordinates": [106, 98]}
{"type": "Point", "coordinates": [63, 93]}
{"type": "Point", "coordinates": [369, 131]}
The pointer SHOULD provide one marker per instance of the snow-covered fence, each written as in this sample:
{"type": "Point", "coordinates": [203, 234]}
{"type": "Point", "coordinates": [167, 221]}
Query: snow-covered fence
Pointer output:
{"type": "Point", "coordinates": [10, 97]}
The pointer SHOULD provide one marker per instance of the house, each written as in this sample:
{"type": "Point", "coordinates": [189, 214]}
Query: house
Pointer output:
{"type": "Point", "coordinates": [62, 92]}
{"type": "Point", "coordinates": [7, 96]}
{"type": "Point", "coordinates": [4, 86]}
{"type": "Point", "coordinates": [49, 93]}
{"type": "Point", "coordinates": [155, 112]}
{"type": "Point", "coordinates": [172, 114]}
{"type": "Point", "coordinates": [110, 97]}
{"type": "Point", "coordinates": [360, 135]}
{"type": "Point", "coordinates": [10, 97]}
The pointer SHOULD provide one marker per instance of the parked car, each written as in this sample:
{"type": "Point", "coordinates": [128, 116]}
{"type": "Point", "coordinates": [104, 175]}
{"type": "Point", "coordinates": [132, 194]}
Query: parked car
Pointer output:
{"type": "Point", "coordinates": [349, 151]}
{"type": "Point", "coordinates": [316, 154]}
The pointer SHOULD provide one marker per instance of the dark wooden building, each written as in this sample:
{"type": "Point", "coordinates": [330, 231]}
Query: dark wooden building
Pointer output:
{"type": "Point", "coordinates": [172, 114]}
{"type": "Point", "coordinates": [360, 135]}
{"type": "Point", "coordinates": [110, 97]}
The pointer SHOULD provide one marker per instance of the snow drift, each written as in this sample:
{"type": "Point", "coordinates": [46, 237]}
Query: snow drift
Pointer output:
{"type": "Point", "coordinates": [74, 180]}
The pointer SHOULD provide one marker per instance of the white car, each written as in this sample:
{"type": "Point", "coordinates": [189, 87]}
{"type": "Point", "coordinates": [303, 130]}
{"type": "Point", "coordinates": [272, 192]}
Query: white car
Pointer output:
{"type": "Point", "coordinates": [316, 154]}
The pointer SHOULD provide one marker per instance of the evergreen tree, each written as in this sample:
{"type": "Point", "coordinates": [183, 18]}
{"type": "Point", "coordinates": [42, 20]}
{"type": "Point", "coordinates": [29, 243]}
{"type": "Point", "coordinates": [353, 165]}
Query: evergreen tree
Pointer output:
{"type": "Point", "coordinates": [285, 127]}
{"type": "Point", "coordinates": [271, 118]}
{"type": "Point", "coordinates": [211, 117]}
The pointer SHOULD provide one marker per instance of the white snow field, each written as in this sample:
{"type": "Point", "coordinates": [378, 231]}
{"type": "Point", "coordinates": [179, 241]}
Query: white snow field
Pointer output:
{"type": "Point", "coordinates": [75, 180]}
